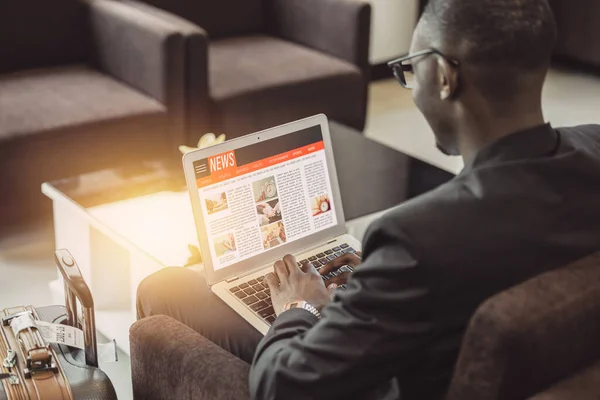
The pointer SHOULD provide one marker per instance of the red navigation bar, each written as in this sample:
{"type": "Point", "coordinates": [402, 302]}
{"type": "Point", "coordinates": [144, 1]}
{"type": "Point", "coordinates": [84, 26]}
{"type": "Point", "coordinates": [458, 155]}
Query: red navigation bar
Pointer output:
{"type": "Point", "coordinates": [229, 173]}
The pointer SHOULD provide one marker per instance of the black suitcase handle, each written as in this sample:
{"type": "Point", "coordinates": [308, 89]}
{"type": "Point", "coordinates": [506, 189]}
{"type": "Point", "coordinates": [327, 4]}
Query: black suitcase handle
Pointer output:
{"type": "Point", "coordinates": [77, 289]}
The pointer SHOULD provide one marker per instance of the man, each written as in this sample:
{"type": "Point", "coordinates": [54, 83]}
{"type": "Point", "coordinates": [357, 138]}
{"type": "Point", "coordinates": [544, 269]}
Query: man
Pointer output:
{"type": "Point", "coordinates": [525, 203]}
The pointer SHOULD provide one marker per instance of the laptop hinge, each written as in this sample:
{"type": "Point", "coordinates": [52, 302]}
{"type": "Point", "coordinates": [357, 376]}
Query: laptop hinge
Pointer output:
{"type": "Point", "coordinates": [235, 278]}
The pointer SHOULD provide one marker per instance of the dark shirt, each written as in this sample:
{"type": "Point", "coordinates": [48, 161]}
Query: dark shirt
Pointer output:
{"type": "Point", "coordinates": [526, 204]}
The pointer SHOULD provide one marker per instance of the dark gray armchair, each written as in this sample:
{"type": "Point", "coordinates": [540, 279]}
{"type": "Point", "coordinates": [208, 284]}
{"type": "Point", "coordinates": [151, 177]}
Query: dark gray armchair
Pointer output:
{"type": "Point", "coordinates": [537, 341]}
{"type": "Point", "coordinates": [578, 30]}
{"type": "Point", "coordinates": [84, 85]}
{"type": "Point", "coordinates": [254, 64]}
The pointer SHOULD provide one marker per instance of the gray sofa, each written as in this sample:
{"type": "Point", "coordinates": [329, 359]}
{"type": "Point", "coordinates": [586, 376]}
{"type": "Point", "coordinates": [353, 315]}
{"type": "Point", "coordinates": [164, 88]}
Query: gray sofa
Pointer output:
{"type": "Point", "coordinates": [537, 341]}
{"type": "Point", "coordinates": [254, 64]}
{"type": "Point", "coordinates": [84, 85]}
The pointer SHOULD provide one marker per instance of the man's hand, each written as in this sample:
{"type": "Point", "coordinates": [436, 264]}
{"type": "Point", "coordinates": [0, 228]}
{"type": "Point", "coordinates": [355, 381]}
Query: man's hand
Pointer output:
{"type": "Point", "coordinates": [290, 283]}
{"type": "Point", "coordinates": [347, 259]}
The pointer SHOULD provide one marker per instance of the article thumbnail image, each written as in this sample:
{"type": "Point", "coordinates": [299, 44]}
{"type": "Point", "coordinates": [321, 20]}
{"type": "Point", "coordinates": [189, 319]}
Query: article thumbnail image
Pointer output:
{"type": "Point", "coordinates": [264, 189]}
{"type": "Point", "coordinates": [216, 202]}
{"type": "Point", "coordinates": [273, 235]}
{"type": "Point", "coordinates": [320, 205]}
{"type": "Point", "coordinates": [268, 212]}
{"type": "Point", "coordinates": [225, 244]}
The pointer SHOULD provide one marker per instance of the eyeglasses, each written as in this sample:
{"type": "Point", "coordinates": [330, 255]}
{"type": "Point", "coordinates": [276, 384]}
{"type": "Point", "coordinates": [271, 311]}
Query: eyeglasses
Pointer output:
{"type": "Point", "coordinates": [403, 66]}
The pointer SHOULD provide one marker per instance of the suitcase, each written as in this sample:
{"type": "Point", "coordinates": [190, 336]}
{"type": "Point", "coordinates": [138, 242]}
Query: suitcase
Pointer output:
{"type": "Point", "coordinates": [32, 370]}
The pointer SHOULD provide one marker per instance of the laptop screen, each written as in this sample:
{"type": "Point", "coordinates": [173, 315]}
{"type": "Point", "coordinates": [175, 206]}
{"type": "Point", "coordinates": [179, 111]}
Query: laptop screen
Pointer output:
{"type": "Point", "coordinates": [258, 197]}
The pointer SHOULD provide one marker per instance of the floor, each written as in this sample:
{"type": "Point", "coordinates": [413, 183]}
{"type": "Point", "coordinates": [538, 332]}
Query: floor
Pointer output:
{"type": "Point", "coordinates": [26, 264]}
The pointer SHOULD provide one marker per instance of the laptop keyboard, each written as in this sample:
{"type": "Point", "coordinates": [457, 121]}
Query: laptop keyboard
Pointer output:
{"type": "Point", "coordinates": [255, 293]}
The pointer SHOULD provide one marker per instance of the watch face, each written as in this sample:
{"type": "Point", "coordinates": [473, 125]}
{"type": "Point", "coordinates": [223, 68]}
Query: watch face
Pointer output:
{"type": "Point", "coordinates": [270, 189]}
{"type": "Point", "coordinates": [324, 206]}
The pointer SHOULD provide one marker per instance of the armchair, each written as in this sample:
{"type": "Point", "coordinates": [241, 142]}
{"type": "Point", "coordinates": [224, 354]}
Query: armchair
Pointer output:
{"type": "Point", "coordinates": [253, 64]}
{"type": "Point", "coordinates": [96, 84]}
{"type": "Point", "coordinates": [536, 341]}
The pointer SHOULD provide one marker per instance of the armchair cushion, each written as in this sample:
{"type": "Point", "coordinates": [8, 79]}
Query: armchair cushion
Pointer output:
{"type": "Point", "coordinates": [258, 82]}
{"type": "Point", "coordinates": [170, 361]}
{"type": "Point", "coordinates": [51, 100]}
{"type": "Point", "coordinates": [57, 114]}
{"type": "Point", "coordinates": [40, 33]}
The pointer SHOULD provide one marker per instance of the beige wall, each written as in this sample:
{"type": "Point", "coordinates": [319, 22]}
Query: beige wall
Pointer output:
{"type": "Point", "coordinates": [392, 24]}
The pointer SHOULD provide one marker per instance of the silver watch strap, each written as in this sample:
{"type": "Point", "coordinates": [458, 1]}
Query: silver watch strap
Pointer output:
{"type": "Point", "coordinates": [310, 308]}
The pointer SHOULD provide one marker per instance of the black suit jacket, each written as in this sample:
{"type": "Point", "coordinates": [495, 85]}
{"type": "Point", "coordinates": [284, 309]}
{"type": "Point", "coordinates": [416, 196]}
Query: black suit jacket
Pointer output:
{"type": "Point", "coordinates": [526, 204]}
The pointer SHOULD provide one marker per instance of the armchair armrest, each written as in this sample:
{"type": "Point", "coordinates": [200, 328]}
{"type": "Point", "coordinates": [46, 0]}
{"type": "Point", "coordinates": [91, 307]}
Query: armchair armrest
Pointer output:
{"type": "Point", "coordinates": [171, 361]}
{"type": "Point", "coordinates": [143, 52]}
{"type": "Point", "coordinates": [137, 48]}
{"type": "Point", "coordinates": [341, 28]}
{"type": "Point", "coordinates": [195, 67]}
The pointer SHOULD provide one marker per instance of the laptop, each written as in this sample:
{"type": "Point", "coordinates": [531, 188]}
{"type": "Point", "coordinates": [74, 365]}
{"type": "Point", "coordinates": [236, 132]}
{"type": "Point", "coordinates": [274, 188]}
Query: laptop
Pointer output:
{"type": "Point", "coordinates": [262, 196]}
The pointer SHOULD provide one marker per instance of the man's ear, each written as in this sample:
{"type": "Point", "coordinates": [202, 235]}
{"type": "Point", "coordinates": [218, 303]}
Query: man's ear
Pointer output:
{"type": "Point", "coordinates": [448, 79]}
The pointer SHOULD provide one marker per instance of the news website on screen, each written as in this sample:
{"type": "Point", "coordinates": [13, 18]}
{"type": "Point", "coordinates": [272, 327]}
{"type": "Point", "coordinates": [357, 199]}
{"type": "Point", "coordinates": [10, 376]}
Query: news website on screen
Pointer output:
{"type": "Point", "coordinates": [260, 196]}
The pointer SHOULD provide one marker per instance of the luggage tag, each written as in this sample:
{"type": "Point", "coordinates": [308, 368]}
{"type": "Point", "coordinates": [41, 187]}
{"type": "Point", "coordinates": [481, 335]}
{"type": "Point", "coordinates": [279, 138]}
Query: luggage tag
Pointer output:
{"type": "Point", "coordinates": [22, 322]}
{"type": "Point", "coordinates": [71, 336]}
{"type": "Point", "coordinates": [63, 334]}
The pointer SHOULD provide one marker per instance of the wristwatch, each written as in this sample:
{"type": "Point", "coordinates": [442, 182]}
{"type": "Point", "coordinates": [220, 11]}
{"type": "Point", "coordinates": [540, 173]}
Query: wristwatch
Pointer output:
{"type": "Point", "coordinates": [304, 305]}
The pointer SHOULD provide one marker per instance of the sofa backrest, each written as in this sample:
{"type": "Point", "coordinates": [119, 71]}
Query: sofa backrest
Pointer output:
{"type": "Point", "coordinates": [220, 18]}
{"type": "Point", "coordinates": [41, 33]}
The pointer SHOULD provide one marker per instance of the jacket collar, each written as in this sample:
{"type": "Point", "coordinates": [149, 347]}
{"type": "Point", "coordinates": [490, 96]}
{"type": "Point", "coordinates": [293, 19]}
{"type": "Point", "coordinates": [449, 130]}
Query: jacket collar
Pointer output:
{"type": "Point", "coordinates": [531, 143]}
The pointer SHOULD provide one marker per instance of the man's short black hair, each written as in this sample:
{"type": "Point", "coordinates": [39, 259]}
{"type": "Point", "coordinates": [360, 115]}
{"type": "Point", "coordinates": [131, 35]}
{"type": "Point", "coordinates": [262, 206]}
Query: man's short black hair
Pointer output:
{"type": "Point", "coordinates": [518, 33]}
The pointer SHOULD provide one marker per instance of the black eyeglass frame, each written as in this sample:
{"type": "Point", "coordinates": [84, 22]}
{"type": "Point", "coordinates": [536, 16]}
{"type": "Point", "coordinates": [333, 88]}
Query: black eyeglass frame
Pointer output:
{"type": "Point", "coordinates": [399, 69]}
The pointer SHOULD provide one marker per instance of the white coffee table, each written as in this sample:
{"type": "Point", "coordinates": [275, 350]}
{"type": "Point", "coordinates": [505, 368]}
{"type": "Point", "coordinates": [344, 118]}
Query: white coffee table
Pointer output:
{"type": "Point", "coordinates": [118, 243]}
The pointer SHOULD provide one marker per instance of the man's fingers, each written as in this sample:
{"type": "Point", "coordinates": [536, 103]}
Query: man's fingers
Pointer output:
{"type": "Point", "coordinates": [281, 271]}
{"type": "Point", "coordinates": [306, 266]}
{"type": "Point", "coordinates": [309, 268]}
{"type": "Point", "coordinates": [340, 279]}
{"type": "Point", "coordinates": [332, 288]}
{"type": "Point", "coordinates": [291, 264]}
{"type": "Point", "coordinates": [332, 265]}
{"type": "Point", "coordinates": [346, 259]}
{"type": "Point", "coordinates": [272, 282]}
